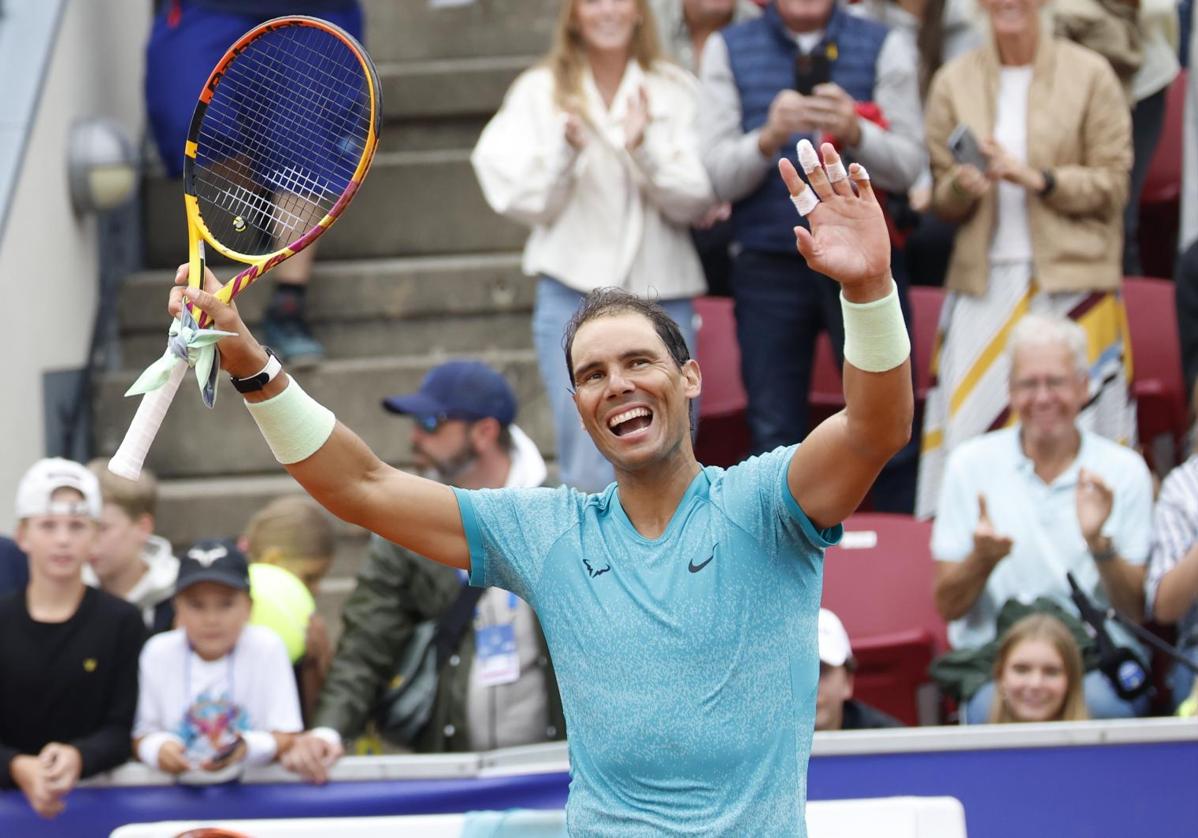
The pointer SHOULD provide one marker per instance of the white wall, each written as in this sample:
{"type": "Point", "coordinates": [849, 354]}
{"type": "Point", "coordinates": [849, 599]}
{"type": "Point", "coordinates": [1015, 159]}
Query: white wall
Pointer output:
{"type": "Point", "coordinates": [48, 271]}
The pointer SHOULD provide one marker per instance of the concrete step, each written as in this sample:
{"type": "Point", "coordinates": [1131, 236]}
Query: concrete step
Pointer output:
{"type": "Point", "coordinates": [448, 304]}
{"type": "Point", "coordinates": [432, 133]}
{"type": "Point", "coordinates": [195, 442]}
{"type": "Point", "coordinates": [446, 87]}
{"type": "Point", "coordinates": [411, 29]}
{"type": "Point", "coordinates": [412, 204]}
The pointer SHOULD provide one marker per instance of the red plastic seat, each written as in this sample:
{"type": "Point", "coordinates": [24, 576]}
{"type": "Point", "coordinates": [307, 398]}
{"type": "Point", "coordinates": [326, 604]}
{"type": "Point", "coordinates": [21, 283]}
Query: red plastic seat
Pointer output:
{"type": "Point", "coordinates": [723, 437]}
{"type": "Point", "coordinates": [1158, 383]}
{"type": "Point", "coordinates": [827, 386]}
{"type": "Point", "coordinates": [1160, 199]}
{"type": "Point", "coordinates": [879, 582]}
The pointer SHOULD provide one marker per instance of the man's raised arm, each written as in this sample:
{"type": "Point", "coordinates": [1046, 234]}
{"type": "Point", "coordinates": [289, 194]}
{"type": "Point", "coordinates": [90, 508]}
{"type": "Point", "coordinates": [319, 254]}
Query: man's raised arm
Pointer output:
{"type": "Point", "coordinates": [834, 468]}
{"type": "Point", "coordinates": [328, 459]}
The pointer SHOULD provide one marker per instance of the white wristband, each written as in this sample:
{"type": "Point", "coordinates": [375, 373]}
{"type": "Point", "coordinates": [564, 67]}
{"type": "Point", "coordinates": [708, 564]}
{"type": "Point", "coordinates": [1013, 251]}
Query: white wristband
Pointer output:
{"type": "Point", "coordinates": [150, 744]}
{"type": "Point", "coordinates": [875, 336]}
{"type": "Point", "coordinates": [327, 734]}
{"type": "Point", "coordinates": [260, 747]}
{"type": "Point", "coordinates": [293, 423]}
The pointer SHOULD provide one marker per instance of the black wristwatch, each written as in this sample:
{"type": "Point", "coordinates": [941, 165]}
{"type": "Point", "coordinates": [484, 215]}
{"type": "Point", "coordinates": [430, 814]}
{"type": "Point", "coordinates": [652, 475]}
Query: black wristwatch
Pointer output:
{"type": "Point", "coordinates": [267, 374]}
{"type": "Point", "coordinates": [1050, 183]}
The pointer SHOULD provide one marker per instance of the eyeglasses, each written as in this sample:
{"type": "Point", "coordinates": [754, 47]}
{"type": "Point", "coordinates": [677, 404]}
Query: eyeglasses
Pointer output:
{"type": "Point", "coordinates": [430, 424]}
{"type": "Point", "coordinates": [1052, 383]}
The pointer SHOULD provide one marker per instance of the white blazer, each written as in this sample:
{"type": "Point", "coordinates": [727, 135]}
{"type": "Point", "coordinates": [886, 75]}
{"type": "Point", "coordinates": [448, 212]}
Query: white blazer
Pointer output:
{"type": "Point", "coordinates": [601, 216]}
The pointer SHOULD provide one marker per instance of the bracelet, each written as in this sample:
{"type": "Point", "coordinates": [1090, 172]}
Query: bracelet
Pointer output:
{"type": "Point", "coordinates": [151, 744]}
{"type": "Point", "coordinates": [875, 335]}
{"type": "Point", "coordinates": [260, 747]}
{"type": "Point", "coordinates": [293, 423]}
{"type": "Point", "coordinates": [1106, 550]}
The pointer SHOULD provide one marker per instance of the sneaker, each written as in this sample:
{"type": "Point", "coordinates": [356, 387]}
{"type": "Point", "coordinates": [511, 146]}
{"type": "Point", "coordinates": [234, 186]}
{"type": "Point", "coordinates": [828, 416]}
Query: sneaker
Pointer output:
{"type": "Point", "coordinates": [291, 340]}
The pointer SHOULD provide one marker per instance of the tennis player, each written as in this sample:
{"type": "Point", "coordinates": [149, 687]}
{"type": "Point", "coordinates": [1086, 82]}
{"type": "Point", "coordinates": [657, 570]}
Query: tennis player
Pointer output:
{"type": "Point", "coordinates": [681, 604]}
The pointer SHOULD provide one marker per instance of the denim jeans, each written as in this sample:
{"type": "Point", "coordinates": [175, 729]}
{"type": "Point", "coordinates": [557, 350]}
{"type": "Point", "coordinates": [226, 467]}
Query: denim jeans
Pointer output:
{"type": "Point", "coordinates": [1101, 701]}
{"type": "Point", "coordinates": [579, 462]}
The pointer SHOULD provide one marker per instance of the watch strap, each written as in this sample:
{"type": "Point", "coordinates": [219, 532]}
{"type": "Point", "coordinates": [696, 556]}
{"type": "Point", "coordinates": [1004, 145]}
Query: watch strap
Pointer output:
{"type": "Point", "coordinates": [260, 379]}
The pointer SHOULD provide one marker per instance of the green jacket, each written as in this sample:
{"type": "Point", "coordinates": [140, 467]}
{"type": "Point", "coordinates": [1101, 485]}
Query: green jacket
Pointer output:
{"type": "Point", "coordinates": [396, 590]}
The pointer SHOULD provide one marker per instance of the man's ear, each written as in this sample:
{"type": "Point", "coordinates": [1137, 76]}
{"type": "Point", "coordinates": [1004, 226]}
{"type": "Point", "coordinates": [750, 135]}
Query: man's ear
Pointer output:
{"type": "Point", "coordinates": [145, 524]}
{"type": "Point", "coordinates": [693, 377]}
{"type": "Point", "coordinates": [484, 433]}
{"type": "Point", "coordinates": [19, 535]}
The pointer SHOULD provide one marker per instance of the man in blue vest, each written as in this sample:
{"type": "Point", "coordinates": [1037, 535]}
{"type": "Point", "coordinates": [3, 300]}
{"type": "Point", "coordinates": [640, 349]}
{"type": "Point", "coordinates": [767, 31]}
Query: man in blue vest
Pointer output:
{"type": "Point", "coordinates": [805, 68]}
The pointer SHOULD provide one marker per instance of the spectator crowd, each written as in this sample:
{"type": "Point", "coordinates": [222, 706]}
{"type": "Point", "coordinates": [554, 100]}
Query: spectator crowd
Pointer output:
{"type": "Point", "coordinates": [1011, 143]}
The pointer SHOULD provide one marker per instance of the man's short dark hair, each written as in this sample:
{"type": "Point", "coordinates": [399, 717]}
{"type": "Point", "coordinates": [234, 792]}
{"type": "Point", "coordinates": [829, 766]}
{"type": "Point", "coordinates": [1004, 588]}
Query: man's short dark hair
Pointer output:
{"type": "Point", "coordinates": [607, 302]}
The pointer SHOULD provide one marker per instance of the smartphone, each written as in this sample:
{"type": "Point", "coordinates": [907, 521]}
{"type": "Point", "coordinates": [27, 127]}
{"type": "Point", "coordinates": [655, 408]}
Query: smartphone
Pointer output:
{"type": "Point", "coordinates": [812, 69]}
{"type": "Point", "coordinates": [965, 149]}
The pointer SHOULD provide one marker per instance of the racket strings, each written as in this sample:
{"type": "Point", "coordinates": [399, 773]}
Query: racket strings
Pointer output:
{"type": "Point", "coordinates": [281, 138]}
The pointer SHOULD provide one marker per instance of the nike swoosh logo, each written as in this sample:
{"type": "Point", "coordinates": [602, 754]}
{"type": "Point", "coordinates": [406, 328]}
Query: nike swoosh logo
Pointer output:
{"type": "Point", "coordinates": [695, 568]}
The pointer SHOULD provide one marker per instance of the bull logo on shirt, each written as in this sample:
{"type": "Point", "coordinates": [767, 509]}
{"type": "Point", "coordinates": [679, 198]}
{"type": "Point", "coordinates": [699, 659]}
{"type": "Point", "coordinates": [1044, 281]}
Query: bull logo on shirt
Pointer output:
{"type": "Point", "coordinates": [591, 570]}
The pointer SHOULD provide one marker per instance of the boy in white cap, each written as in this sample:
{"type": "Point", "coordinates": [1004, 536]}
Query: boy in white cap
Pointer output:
{"type": "Point", "coordinates": [835, 707]}
{"type": "Point", "coordinates": [63, 640]}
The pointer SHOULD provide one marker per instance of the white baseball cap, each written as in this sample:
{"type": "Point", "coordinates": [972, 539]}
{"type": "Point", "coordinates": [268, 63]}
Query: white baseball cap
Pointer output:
{"type": "Point", "coordinates": [834, 648]}
{"type": "Point", "coordinates": [36, 489]}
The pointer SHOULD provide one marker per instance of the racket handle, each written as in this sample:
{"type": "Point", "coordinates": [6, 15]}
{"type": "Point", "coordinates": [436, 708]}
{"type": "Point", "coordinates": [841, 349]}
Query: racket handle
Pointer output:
{"type": "Point", "coordinates": [128, 459]}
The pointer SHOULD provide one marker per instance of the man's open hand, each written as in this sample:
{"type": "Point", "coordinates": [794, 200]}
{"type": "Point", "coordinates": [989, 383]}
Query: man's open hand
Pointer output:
{"type": "Point", "coordinates": [848, 240]}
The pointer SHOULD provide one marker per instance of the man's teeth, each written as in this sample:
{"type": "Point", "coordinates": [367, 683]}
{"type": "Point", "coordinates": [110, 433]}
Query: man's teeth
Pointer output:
{"type": "Point", "coordinates": [626, 415]}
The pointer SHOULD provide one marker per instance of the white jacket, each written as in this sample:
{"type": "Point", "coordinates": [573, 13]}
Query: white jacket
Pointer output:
{"type": "Point", "coordinates": [155, 585]}
{"type": "Point", "coordinates": [600, 215]}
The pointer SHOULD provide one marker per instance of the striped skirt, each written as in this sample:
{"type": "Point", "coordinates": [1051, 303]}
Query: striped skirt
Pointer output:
{"type": "Point", "coordinates": [970, 367]}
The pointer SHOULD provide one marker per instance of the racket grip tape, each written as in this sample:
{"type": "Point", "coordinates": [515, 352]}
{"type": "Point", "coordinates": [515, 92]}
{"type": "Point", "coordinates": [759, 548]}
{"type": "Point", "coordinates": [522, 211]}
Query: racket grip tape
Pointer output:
{"type": "Point", "coordinates": [128, 459]}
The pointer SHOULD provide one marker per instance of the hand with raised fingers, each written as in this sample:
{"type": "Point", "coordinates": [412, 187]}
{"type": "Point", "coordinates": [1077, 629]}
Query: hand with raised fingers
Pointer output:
{"type": "Point", "coordinates": [636, 119]}
{"type": "Point", "coordinates": [240, 355]}
{"type": "Point", "coordinates": [1095, 500]}
{"type": "Point", "coordinates": [848, 240]}
{"type": "Point", "coordinates": [575, 131]}
{"type": "Point", "coordinates": [987, 543]}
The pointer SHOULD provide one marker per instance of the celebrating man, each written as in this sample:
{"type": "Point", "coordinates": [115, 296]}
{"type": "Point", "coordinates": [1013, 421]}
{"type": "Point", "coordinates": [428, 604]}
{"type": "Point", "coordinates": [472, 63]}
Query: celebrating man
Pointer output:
{"type": "Point", "coordinates": [680, 604]}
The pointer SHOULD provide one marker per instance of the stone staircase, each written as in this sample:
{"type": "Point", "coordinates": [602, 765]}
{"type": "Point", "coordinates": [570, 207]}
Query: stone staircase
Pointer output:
{"type": "Point", "coordinates": [418, 270]}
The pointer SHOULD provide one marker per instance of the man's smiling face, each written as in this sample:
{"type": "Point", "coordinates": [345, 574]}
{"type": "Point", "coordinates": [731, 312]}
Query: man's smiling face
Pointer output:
{"type": "Point", "coordinates": [632, 397]}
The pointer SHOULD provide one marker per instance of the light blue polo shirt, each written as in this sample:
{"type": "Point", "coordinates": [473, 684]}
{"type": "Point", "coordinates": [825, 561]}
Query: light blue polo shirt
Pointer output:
{"type": "Point", "coordinates": [1041, 519]}
{"type": "Point", "coordinates": [688, 663]}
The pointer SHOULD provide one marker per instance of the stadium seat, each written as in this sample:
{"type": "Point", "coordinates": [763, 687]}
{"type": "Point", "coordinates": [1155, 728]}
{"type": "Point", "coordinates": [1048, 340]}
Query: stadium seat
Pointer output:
{"type": "Point", "coordinates": [723, 438]}
{"type": "Point", "coordinates": [827, 386]}
{"type": "Point", "coordinates": [1160, 197]}
{"type": "Point", "coordinates": [1158, 384]}
{"type": "Point", "coordinates": [826, 393]}
{"type": "Point", "coordinates": [926, 302]}
{"type": "Point", "coordinates": [879, 582]}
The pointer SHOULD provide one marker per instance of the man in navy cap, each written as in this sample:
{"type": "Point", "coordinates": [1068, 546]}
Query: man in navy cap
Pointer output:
{"type": "Point", "coordinates": [498, 689]}
{"type": "Point", "coordinates": [463, 432]}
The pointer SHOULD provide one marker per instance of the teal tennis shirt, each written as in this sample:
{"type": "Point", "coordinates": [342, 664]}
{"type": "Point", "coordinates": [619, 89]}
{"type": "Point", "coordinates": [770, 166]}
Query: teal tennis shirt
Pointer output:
{"type": "Point", "coordinates": [687, 664]}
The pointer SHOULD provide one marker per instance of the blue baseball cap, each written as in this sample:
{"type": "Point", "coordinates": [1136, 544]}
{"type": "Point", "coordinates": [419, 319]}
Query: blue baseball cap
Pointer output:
{"type": "Point", "coordinates": [458, 390]}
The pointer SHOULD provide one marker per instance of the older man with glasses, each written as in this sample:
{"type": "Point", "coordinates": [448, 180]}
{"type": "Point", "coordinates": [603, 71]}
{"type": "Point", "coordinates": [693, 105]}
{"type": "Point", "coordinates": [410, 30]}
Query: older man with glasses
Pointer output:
{"type": "Point", "coordinates": [1023, 506]}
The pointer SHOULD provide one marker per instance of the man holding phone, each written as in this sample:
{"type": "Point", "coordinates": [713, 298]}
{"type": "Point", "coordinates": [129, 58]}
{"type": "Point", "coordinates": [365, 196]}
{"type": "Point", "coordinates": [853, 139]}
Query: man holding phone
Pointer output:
{"type": "Point", "coordinates": [805, 68]}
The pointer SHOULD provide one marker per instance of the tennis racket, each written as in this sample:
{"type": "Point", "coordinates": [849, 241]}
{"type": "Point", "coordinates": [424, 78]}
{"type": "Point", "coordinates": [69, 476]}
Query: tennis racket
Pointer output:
{"type": "Point", "coordinates": [278, 145]}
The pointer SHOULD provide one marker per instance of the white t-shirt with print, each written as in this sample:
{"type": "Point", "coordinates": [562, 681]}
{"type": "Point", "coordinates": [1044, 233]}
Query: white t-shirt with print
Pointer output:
{"type": "Point", "coordinates": [207, 704]}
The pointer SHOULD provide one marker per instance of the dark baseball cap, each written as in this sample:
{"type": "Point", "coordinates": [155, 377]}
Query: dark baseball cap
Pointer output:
{"type": "Point", "coordinates": [458, 390]}
{"type": "Point", "coordinates": [213, 560]}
